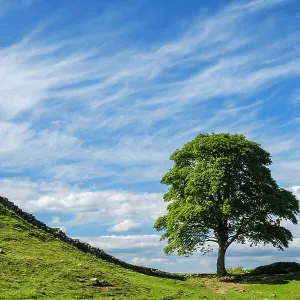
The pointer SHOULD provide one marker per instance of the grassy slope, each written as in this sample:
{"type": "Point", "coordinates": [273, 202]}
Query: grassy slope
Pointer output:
{"type": "Point", "coordinates": [36, 265]}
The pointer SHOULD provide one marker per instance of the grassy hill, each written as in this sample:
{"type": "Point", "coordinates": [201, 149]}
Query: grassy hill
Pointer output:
{"type": "Point", "coordinates": [36, 265]}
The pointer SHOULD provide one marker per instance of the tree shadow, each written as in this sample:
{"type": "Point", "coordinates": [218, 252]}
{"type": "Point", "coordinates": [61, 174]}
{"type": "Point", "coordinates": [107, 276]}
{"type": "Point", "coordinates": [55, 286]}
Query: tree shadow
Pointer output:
{"type": "Point", "coordinates": [262, 279]}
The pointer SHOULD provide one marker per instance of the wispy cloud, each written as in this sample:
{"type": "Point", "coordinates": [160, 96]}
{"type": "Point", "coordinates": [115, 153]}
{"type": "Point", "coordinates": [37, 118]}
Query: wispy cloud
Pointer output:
{"type": "Point", "coordinates": [77, 96]}
{"type": "Point", "coordinates": [295, 97]}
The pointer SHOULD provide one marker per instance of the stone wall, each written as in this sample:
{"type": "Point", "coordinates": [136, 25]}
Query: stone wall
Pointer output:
{"type": "Point", "coordinates": [84, 247]}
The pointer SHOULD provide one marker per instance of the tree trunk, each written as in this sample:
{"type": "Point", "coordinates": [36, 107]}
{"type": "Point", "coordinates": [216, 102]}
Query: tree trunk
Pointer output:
{"type": "Point", "coordinates": [221, 270]}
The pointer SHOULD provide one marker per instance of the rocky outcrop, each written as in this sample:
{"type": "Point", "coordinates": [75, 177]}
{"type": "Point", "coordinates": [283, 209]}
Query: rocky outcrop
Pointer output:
{"type": "Point", "coordinates": [84, 247]}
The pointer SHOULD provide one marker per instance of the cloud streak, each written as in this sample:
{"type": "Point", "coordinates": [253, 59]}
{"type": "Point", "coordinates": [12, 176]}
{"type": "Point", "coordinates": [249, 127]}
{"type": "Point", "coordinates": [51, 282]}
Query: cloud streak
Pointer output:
{"type": "Point", "coordinates": [71, 93]}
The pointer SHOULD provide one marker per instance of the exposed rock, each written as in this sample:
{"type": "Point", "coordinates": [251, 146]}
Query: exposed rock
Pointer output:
{"type": "Point", "coordinates": [101, 283]}
{"type": "Point", "coordinates": [95, 281]}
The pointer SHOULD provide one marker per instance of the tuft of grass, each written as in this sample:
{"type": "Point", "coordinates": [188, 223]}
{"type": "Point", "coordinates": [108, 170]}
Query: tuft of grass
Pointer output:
{"type": "Point", "coordinates": [239, 270]}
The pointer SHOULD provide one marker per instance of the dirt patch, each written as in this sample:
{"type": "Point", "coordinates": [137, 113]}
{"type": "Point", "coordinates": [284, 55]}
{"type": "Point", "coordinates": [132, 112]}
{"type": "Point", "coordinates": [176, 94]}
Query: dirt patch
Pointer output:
{"type": "Point", "coordinates": [106, 288]}
{"type": "Point", "coordinates": [223, 287]}
{"type": "Point", "coordinates": [219, 286]}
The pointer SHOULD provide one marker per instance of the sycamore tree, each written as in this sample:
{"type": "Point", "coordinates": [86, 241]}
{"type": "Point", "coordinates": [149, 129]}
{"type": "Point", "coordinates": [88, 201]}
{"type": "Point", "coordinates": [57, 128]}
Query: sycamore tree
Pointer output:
{"type": "Point", "coordinates": [221, 190]}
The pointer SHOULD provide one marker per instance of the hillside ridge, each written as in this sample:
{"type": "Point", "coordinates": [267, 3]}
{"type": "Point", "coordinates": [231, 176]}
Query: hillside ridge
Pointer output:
{"type": "Point", "coordinates": [82, 246]}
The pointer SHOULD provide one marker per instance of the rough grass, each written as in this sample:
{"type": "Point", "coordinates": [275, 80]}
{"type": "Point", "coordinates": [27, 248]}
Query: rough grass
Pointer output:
{"type": "Point", "coordinates": [35, 265]}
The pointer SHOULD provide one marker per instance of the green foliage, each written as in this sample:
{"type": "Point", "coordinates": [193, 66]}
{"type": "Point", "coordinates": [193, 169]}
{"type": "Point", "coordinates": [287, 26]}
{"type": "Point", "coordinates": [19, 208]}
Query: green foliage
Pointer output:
{"type": "Point", "coordinates": [239, 270]}
{"type": "Point", "coordinates": [221, 190]}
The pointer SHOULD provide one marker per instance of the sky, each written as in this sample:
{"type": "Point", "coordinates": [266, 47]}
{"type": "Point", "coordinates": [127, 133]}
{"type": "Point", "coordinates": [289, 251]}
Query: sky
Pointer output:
{"type": "Point", "coordinates": [96, 95]}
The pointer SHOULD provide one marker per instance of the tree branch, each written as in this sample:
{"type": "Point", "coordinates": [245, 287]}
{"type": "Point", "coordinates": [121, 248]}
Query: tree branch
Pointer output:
{"type": "Point", "coordinates": [212, 239]}
{"type": "Point", "coordinates": [232, 238]}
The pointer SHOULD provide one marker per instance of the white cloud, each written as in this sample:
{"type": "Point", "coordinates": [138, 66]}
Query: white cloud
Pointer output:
{"type": "Point", "coordinates": [107, 204]}
{"type": "Point", "coordinates": [296, 191]}
{"type": "Point", "coordinates": [287, 170]}
{"type": "Point", "coordinates": [113, 242]}
{"type": "Point", "coordinates": [21, 190]}
{"type": "Point", "coordinates": [126, 225]}
{"type": "Point", "coordinates": [55, 220]}
{"type": "Point", "coordinates": [13, 136]}
{"type": "Point", "coordinates": [295, 98]}
{"type": "Point", "coordinates": [103, 207]}
{"type": "Point", "coordinates": [146, 261]}
{"type": "Point", "coordinates": [280, 146]}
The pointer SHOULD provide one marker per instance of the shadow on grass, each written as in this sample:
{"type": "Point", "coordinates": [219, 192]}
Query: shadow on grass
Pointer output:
{"type": "Point", "coordinates": [262, 279]}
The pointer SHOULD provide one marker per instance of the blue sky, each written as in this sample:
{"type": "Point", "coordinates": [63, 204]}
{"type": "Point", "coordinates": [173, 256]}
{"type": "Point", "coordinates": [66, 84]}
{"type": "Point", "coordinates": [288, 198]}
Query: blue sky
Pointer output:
{"type": "Point", "coordinates": [96, 95]}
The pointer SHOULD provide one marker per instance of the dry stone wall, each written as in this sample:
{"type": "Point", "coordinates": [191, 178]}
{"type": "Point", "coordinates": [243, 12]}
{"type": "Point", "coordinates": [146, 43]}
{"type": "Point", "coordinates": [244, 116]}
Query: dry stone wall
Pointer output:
{"type": "Point", "coordinates": [84, 247]}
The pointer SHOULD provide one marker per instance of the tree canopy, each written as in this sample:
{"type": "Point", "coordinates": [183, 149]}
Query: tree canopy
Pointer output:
{"type": "Point", "coordinates": [221, 190]}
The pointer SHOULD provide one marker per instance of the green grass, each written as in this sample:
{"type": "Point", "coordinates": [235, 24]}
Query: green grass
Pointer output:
{"type": "Point", "coordinates": [35, 265]}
